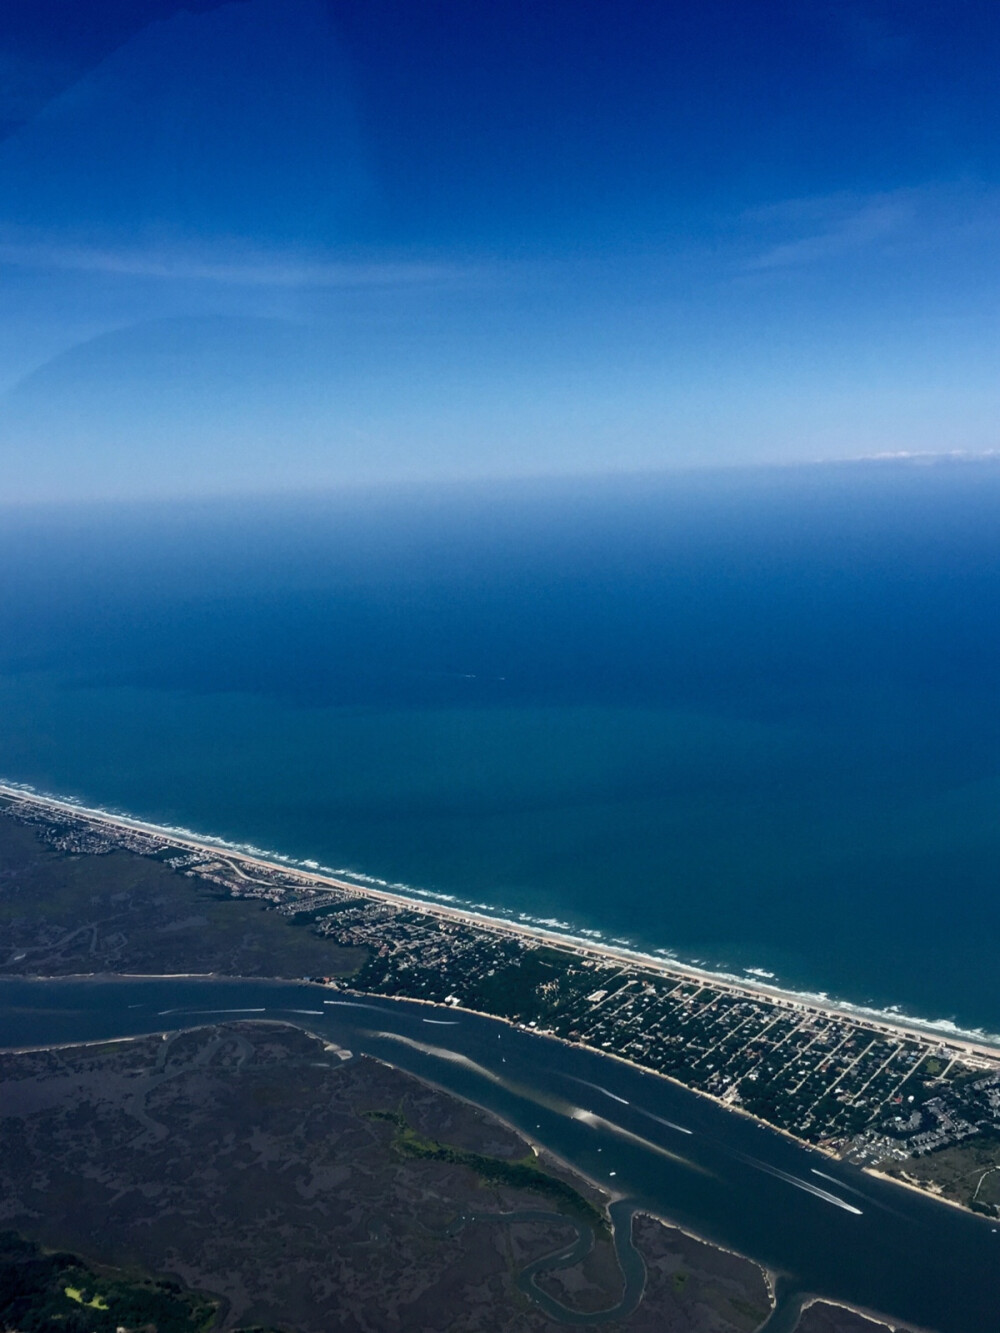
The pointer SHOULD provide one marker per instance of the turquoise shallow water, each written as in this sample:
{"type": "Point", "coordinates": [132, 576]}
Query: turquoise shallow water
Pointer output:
{"type": "Point", "coordinates": [752, 720]}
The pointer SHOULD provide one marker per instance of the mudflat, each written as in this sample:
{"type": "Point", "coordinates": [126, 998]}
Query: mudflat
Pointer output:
{"type": "Point", "coordinates": [65, 914]}
{"type": "Point", "coordinates": [296, 1188]}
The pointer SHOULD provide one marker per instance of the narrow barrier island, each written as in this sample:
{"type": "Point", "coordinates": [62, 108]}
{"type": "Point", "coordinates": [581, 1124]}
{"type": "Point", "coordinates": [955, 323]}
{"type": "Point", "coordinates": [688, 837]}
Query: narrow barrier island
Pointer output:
{"type": "Point", "coordinates": [883, 1094]}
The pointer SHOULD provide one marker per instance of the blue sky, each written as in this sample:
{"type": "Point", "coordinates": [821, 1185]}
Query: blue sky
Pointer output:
{"type": "Point", "coordinates": [276, 244]}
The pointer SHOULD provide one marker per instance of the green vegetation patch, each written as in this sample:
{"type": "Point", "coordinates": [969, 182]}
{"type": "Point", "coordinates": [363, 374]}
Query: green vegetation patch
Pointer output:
{"type": "Point", "coordinates": [95, 1302]}
{"type": "Point", "coordinates": [41, 1292]}
{"type": "Point", "coordinates": [967, 1172]}
{"type": "Point", "coordinates": [523, 1173]}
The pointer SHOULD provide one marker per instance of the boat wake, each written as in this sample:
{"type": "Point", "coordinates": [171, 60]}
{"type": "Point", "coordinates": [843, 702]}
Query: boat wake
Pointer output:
{"type": "Point", "coordinates": [806, 1185]}
{"type": "Point", "coordinates": [600, 1122]}
{"type": "Point", "coordinates": [194, 1013]}
{"type": "Point", "coordinates": [839, 1183]}
{"type": "Point", "coordinates": [670, 1124]}
{"type": "Point", "coordinates": [597, 1088]}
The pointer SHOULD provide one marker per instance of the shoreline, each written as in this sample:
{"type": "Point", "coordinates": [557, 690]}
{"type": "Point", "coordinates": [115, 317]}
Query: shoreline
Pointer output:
{"type": "Point", "coordinates": [362, 997]}
{"type": "Point", "coordinates": [541, 1150]}
{"type": "Point", "coordinates": [924, 1193]}
{"type": "Point", "coordinates": [977, 1044]}
{"type": "Point", "coordinates": [876, 1317]}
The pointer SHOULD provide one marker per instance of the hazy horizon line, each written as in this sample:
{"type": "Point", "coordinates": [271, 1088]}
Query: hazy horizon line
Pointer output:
{"type": "Point", "coordinates": [522, 481]}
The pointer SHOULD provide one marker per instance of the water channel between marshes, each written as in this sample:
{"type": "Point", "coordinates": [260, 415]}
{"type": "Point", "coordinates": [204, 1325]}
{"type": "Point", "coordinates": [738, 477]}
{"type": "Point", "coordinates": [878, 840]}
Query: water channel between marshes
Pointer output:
{"type": "Point", "coordinates": [821, 1227]}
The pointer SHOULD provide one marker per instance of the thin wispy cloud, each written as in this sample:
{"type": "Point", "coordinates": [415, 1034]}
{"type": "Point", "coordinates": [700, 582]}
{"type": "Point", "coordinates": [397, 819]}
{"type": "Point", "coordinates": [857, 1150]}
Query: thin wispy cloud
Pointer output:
{"type": "Point", "coordinates": [233, 266]}
{"type": "Point", "coordinates": [828, 227]}
{"type": "Point", "coordinates": [872, 223]}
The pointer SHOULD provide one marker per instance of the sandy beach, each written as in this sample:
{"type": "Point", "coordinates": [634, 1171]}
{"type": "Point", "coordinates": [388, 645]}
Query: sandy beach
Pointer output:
{"type": "Point", "coordinates": [980, 1049]}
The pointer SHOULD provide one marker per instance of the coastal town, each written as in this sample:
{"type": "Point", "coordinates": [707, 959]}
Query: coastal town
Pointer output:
{"type": "Point", "coordinates": [875, 1092]}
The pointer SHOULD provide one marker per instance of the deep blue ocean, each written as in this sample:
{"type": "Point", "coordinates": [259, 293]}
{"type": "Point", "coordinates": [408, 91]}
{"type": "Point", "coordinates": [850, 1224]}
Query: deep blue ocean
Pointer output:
{"type": "Point", "coordinates": [749, 717]}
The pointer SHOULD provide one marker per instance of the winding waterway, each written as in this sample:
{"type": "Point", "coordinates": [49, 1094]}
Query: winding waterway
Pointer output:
{"type": "Point", "coordinates": [822, 1227]}
{"type": "Point", "coordinates": [630, 1260]}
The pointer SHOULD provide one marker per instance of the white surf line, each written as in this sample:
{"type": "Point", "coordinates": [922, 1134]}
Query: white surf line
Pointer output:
{"type": "Point", "coordinates": [441, 1022]}
{"type": "Point", "coordinates": [353, 1004]}
{"type": "Point", "coordinates": [972, 1040]}
{"type": "Point", "coordinates": [315, 1013]}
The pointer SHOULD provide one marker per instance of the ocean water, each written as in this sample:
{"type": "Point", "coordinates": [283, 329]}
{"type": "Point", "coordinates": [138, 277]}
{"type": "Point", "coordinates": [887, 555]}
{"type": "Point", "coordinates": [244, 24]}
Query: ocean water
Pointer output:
{"type": "Point", "coordinates": [749, 718]}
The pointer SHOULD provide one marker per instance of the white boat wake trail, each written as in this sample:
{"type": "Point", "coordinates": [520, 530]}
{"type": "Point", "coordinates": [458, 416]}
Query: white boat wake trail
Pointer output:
{"type": "Point", "coordinates": [162, 1013]}
{"type": "Point", "coordinates": [801, 1184]}
{"type": "Point", "coordinates": [551, 1103]}
{"type": "Point", "coordinates": [670, 1124]}
{"type": "Point", "coordinates": [596, 1087]}
{"type": "Point", "coordinates": [599, 1122]}
{"type": "Point", "coordinates": [839, 1183]}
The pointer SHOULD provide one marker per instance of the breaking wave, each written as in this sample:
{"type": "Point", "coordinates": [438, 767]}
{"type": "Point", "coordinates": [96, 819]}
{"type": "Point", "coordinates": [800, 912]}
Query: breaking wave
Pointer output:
{"type": "Point", "coordinates": [584, 937]}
